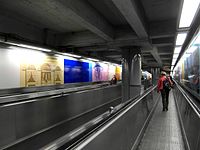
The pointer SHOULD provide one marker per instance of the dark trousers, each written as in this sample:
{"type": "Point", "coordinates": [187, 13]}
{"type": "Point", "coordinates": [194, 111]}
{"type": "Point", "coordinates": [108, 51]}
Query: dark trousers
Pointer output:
{"type": "Point", "coordinates": [165, 98]}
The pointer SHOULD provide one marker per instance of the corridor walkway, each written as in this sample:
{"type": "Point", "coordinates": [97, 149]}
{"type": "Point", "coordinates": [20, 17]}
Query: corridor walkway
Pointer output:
{"type": "Point", "coordinates": [163, 131]}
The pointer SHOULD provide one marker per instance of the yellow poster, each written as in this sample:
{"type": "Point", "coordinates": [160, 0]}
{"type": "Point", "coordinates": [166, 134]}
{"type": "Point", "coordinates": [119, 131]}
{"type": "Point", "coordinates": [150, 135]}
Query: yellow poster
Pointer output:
{"type": "Point", "coordinates": [49, 71]}
{"type": "Point", "coordinates": [118, 72]}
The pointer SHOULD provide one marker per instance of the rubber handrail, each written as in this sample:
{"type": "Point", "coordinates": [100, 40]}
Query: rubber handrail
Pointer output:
{"type": "Point", "coordinates": [26, 97]}
{"type": "Point", "coordinates": [189, 100]}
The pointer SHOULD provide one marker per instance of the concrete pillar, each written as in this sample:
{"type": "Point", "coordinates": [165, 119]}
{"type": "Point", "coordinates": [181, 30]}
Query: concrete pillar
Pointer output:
{"type": "Point", "coordinates": [155, 75]}
{"type": "Point", "coordinates": [131, 74]}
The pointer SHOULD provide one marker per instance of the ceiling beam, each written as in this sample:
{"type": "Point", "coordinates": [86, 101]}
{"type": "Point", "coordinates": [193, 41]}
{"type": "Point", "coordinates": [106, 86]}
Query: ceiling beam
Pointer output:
{"type": "Point", "coordinates": [78, 39]}
{"type": "Point", "coordinates": [162, 29]}
{"type": "Point", "coordinates": [82, 13]}
{"type": "Point", "coordinates": [156, 56]}
{"type": "Point", "coordinates": [133, 14]}
{"type": "Point", "coordinates": [150, 65]}
{"type": "Point", "coordinates": [110, 53]}
{"type": "Point", "coordinates": [163, 42]}
{"type": "Point", "coordinates": [166, 58]}
{"type": "Point", "coordinates": [20, 31]}
{"type": "Point", "coordinates": [86, 38]}
{"type": "Point", "coordinates": [114, 56]}
{"type": "Point", "coordinates": [144, 61]}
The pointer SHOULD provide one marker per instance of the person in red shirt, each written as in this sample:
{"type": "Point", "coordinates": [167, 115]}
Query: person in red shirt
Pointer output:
{"type": "Point", "coordinates": [163, 90]}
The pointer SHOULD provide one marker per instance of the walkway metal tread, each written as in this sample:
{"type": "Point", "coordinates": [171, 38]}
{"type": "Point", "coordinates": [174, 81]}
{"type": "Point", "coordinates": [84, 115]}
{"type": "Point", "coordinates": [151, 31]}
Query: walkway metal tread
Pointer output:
{"type": "Point", "coordinates": [163, 131]}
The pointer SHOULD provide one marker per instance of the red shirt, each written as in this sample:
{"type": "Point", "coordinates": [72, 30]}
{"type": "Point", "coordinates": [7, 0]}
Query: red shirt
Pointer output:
{"type": "Point", "coordinates": [160, 82]}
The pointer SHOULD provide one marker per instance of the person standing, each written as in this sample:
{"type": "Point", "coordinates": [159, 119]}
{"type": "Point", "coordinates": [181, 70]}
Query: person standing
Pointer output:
{"type": "Point", "coordinates": [164, 86]}
{"type": "Point", "coordinates": [113, 80]}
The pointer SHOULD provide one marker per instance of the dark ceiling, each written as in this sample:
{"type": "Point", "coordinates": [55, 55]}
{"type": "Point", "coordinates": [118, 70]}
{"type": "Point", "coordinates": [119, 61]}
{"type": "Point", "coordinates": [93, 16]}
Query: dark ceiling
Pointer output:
{"type": "Point", "coordinates": [96, 28]}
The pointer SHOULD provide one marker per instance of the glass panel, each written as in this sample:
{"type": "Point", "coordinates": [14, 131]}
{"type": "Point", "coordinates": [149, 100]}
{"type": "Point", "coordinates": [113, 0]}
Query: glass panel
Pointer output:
{"type": "Point", "coordinates": [187, 71]}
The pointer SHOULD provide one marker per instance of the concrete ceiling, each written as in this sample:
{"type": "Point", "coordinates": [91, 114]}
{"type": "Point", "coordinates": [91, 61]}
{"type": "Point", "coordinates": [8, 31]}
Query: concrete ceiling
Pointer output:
{"type": "Point", "coordinates": [96, 28]}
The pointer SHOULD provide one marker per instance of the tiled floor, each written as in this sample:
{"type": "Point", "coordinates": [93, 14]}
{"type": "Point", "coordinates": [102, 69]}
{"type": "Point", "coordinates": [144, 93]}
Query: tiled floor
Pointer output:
{"type": "Point", "coordinates": [163, 131]}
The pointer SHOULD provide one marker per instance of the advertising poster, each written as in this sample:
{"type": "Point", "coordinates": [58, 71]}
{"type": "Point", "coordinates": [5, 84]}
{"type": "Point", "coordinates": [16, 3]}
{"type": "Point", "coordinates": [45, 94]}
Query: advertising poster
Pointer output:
{"type": "Point", "coordinates": [112, 69]}
{"type": "Point", "coordinates": [100, 72]}
{"type": "Point", "coordinates": [49, 71]}
{"type": "Point", "coordinates": [76, 71]}
{"type": "Point", "coordinates": [118, 71]}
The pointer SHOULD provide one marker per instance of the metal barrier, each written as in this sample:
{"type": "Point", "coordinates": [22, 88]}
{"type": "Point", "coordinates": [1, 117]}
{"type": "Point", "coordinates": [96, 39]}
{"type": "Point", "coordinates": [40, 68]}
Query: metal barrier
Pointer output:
{"type": "Point", "coordinates": [41, 94]}
{"type": "Point", "coordinates": [124, 129]}
{"type": "Point", "coordinates": [23, 90]}
{"type": "Point", "coordinates": [22, 120]}
{"type": "Point", "coordinates": [146, 84]}
{"type": "Point", "coordinates": [189, 116]}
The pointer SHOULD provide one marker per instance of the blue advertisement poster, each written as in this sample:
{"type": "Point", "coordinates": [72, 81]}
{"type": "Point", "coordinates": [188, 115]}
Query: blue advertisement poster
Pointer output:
{"type": "Point", "coordinates": [76, 71]}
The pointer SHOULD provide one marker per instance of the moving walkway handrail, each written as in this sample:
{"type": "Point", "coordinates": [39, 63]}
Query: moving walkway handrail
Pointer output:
{"type": "Point", "coordinates": [26, 90]}
{"type": "Point", "coordinates": [189, 100]}
{"type": "Point", "coordinates": [59, 92]}
{"type": "Point", "coordinates": [98, 125]}
{"type": "Point", "coordinates": [192, 92]}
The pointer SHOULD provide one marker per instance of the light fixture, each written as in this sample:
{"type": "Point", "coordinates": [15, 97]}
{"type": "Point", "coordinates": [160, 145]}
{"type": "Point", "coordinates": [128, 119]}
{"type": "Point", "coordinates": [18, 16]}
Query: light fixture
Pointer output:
{"type": "Point", "coordinates": [180, 39]}
{"type": "Point", "coordinates": [105, 62]}
{"type": "Point", "coordinates": [188, 12]}
{"type": "Point", "coordinates": [173, 62]}
{"type": "Point", "coordinates": [177, 50]}
{"type": "Point", "coordinates": [92, 59]}
{"type": "Point", "coordinates": [72, 55]}
{"type": "Point", "coordinates": [29, 47]}
{"type": "Point", "coordinates": [175, 56]}
{"type": "Point", "coordinates": [172, 68]}
{"type": "Point", "coordinates": [84, 60]}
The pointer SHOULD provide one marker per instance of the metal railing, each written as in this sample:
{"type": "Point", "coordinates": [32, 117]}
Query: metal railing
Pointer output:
{"type": "Point", "coordinates": [42, 94]}
{"type": "Point", "coordinates": [189, 117]}
{"type": "Point", "coordinates": [97, 127]}
{"type": "Point", "coordinates": [22, 121]}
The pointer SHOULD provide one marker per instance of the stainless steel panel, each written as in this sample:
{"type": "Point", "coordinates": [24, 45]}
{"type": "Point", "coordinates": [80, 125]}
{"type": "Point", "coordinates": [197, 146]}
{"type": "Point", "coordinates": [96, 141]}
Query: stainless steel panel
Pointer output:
{"type": "Point", "coordinates": [41, 88]}
{"type": "Point", "coordinates": [30, 117]}
{"type": "Point", "coordinates": [122, 133]}
{"type": "Point", "coordinates": [190, 119]}
{"type": "Point", "coordinates": [7, 126]}
{"type": "Point", "coordinates": [43, 93]}
{"type": "Point", "coordinates": [33, 116]}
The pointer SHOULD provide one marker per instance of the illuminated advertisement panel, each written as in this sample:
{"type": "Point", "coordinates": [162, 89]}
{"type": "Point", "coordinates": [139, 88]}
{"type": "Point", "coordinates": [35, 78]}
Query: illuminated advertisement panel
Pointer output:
{"type": "Point", "coordinates": [76, 71]}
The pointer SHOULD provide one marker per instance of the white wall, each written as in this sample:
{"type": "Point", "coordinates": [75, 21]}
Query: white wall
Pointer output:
{"type": "Point", "coordinates": [9, 70]}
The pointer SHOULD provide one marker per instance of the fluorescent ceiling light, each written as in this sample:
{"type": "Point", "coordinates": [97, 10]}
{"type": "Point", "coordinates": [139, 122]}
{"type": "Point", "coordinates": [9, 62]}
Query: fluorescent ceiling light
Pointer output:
{"type": "Point", "coordinates": [84, 60]}
{"type": "Point", "coordinates": [30, 47]}
{"type": "Point", "coordinates": [72, 55]}
{"type": "Point", "coordinates": [174, 58]}
{"type": "Point", "coordinates": [173, 62]}
{"type": "Point", "coordinates": [105, 62]}
{"type": "Point", "coordinates": [180, 38]}
{"type": "Point", "coordinates": [177, 50]}
{"type": "Point", "coordinates": [188, 12]}
{"type": "Point", "coordinates": [175, 55]}
{"type": "Point", "coordinates": [92, 59]}
{"type": "Point", "coordinates": [36, 48]}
